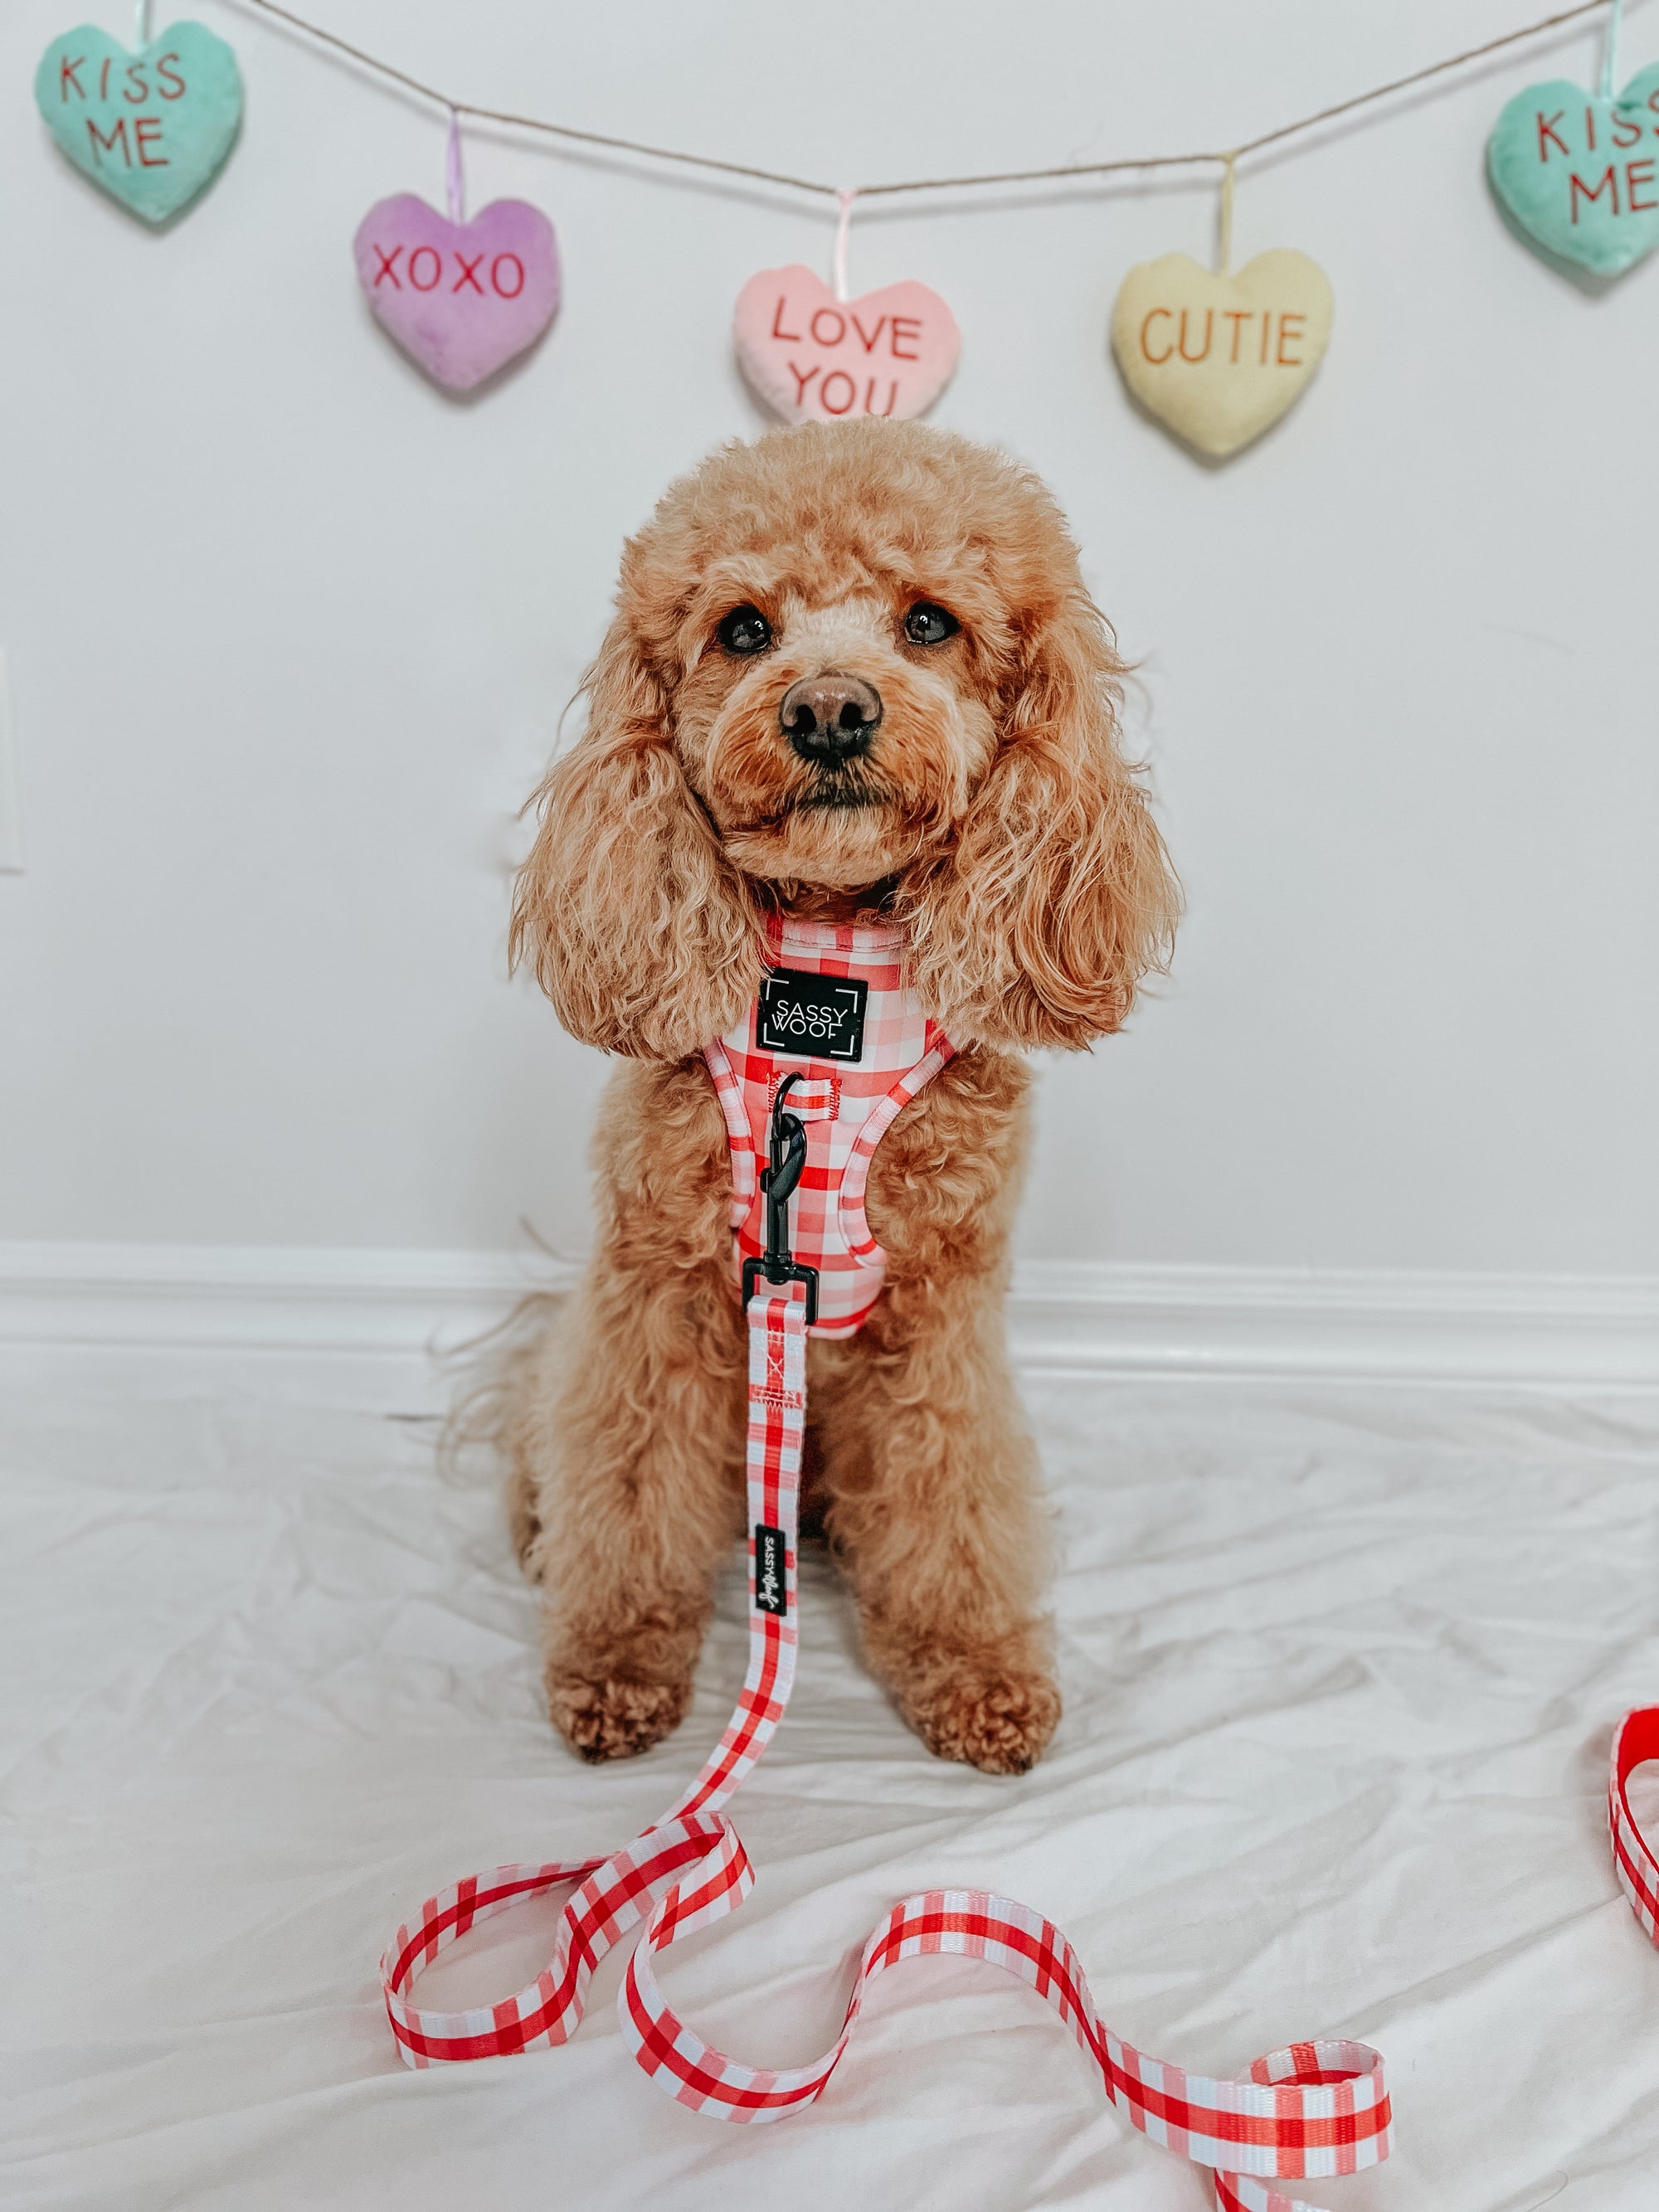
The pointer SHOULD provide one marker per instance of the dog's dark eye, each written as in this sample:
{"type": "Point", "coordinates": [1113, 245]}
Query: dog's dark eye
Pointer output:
{"type": "Point", "coordinates": [929, 625]}
{"type": "Point", "coordinates": [745, 629]}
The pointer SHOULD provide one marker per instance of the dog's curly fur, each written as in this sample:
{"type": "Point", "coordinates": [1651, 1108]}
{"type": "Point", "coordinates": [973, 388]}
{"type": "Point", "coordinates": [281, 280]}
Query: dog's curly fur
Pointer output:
{"type": "Point", "coordinates": [997, 818]}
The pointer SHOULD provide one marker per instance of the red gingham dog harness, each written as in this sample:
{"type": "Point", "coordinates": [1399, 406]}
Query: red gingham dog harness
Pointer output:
{"type": "Point", "coordinates": [858, 996]}
{"type": "Point", "coordinates": [1312, 2110]}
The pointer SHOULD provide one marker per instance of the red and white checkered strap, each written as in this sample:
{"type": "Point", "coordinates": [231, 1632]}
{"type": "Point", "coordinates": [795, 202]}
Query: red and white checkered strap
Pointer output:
{"type": "Point", "coordinates": [1311, 2111]}
{"type": "Point", "coordinates": [1633, 1862]}
{"type": "Point", "coordinates": [615, 1892]}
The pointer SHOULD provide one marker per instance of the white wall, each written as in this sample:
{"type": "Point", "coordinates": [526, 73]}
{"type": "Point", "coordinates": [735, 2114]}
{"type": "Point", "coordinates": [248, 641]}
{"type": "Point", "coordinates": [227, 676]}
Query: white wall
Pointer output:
{"type": "Point", "coordinates": [290, 632]}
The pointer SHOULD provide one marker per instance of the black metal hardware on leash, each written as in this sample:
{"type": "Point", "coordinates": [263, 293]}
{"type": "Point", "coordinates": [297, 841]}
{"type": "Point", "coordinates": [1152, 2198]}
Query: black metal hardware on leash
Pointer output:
{"type": "Point", "coordinates": [786, 1157]}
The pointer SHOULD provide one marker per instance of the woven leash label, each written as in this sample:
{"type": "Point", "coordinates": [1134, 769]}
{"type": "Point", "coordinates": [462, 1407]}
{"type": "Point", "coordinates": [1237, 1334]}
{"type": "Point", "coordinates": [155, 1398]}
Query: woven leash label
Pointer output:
{"type": "Point", "coordinates": [771, 1591]}
{"type": "Point", "coordinates": [820, 1017]}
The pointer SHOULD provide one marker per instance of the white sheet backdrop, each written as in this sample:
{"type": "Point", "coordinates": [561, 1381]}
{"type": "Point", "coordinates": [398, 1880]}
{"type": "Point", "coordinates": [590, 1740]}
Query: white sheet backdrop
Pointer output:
{"type": "Point", "coordinates": [1340, 1670]}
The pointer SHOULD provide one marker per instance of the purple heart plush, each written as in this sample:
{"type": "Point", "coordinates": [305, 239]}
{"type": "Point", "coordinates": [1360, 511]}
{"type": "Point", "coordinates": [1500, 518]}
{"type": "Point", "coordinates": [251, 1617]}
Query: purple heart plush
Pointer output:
{"type": "Point", "coordinates": [461, 297]}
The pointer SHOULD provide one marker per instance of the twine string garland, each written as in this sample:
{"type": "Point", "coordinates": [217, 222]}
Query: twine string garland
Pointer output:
{"type": "Point", "coordinates": [1061, 172]}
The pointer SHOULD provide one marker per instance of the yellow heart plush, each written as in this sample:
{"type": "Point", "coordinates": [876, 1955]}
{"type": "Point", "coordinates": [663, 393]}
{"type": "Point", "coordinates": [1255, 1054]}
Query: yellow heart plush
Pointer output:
{"type": "Point", "coordinates": [1219, 359]}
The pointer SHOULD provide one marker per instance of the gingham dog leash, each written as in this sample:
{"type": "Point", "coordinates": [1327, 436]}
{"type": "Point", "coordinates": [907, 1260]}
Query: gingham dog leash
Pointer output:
{"type": "Point", "coordinates": [1637, 1869]}
{"type": "Point", "coordinates": [1310, 2110]}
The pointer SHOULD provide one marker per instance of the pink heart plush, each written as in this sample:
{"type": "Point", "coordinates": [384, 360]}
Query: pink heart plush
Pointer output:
{"type": "Point", "coordinates": [462, 298]}
{"type": "Point", "coordinates": [814, 358]}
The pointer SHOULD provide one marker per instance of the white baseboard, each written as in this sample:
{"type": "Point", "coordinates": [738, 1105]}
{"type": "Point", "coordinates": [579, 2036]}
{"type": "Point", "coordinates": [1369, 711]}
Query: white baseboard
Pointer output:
{"type": "Point", "coordinates": [366, 1327]}
{"type": "Point", "coordinates": [1561, 1331]}
{"type": "Point", "coordinates": [373, 1328]}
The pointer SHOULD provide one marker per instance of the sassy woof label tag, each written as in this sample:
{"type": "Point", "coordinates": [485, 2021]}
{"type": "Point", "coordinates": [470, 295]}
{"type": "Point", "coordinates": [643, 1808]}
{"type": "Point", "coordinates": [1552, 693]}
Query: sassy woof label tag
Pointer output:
{"type": "Point", "coordinates": [151, 128]}
{"type": "Point", "coordinates": [461, 298]}
{"type": "Point", "coordinates": [1219, 359]}
{"type": "Point", "coordinates": [817, 1016]}
{"type": "Point", "coordinates": [1579, 171]}
{"type": "Point", "coordinates": [771, 1583]}
{"type": "Point", "coordinates": [814, 358]}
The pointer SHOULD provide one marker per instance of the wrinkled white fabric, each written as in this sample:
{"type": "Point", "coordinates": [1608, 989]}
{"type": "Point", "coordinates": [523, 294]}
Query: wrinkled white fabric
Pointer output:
{"type": "Point", "coordinates": [1341, 1667]}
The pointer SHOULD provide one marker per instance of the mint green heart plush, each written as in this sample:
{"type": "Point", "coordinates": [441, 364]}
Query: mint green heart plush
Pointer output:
{"type": "Point", "coordinates": [151, 128]}
{"type": "Point", "coordinates": [1579, 171]}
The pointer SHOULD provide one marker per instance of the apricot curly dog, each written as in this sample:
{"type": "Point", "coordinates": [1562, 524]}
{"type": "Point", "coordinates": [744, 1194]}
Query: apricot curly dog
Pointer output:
{"type": "Point", "coordinates": [854, 675]}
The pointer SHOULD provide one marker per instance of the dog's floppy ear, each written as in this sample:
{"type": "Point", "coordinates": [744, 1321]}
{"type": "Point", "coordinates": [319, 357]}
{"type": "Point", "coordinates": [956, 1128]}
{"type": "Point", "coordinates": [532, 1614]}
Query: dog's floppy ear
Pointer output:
{"type": "Point", "coordinates": [633, 920]}
{"type": "Point", "coordinates": [1057, 895]}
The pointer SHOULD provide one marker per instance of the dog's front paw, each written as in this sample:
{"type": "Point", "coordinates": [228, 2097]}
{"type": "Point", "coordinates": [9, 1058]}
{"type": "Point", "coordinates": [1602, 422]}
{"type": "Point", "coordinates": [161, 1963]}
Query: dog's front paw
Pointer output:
{"type": "Point", "coordinates": [998, 1720]}
{"type": "Point", "coordinates": [613, 1717]}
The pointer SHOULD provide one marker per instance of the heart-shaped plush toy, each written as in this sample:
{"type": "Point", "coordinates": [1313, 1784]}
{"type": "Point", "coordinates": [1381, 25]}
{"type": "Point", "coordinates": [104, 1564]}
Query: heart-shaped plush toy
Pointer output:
{"type": "Point", "coordinates": [1579, 172]}
{"type": "Point", "coordinates": [151, 128]}
{"type": "Point", "coordinates": [814, 358]}
{"type": "Point", "coordinates": [463, 298]}
{"type": "Point", "coordinates": [1219, 359]}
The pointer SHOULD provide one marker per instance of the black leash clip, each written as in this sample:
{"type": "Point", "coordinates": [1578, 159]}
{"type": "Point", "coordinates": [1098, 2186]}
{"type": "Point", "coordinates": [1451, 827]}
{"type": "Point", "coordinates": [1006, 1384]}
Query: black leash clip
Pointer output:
{"type": "Point", "coordinates": [777, 1179]}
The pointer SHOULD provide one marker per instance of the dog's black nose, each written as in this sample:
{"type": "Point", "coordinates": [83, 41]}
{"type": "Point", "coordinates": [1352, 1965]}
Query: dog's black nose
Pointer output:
{"type": "Point", "coordinates": [830, 719]}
